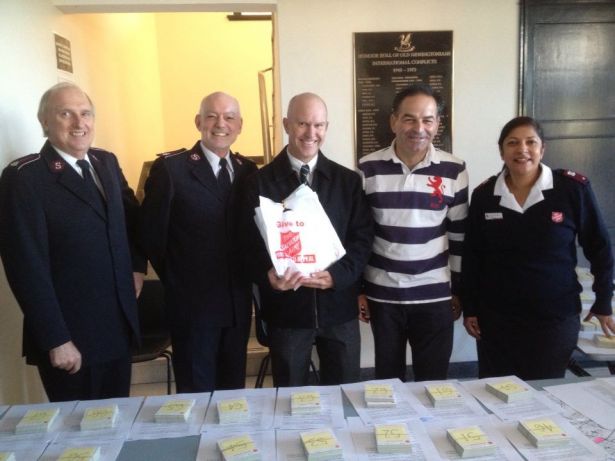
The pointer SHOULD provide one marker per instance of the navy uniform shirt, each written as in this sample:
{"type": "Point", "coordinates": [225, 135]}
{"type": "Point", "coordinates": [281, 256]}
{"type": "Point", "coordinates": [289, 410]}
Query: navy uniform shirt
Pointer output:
{"type": "Point", "coordinates": [522, 261]}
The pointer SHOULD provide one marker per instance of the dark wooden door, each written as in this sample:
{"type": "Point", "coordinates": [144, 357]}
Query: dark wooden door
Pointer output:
{"type": "Point", "coordinates": [568, 84]}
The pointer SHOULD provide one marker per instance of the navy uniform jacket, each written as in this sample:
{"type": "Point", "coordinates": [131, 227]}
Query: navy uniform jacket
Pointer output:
{"type": "Point", "coordinates": [68, 264]}
{"type": "Point", "coordinates": [341, 195]}
{"type": "Point", "coordinates": [524, 263]}
{"type": "Point", "coordinates": [190, 236]}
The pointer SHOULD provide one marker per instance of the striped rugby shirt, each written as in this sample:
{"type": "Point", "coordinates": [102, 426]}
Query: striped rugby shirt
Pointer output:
{"type": "Point", "coordinates": [420, 217]}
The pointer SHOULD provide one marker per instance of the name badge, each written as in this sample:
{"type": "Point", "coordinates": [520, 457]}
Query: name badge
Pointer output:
{"type": "Point", "coordinates": [492, 216]}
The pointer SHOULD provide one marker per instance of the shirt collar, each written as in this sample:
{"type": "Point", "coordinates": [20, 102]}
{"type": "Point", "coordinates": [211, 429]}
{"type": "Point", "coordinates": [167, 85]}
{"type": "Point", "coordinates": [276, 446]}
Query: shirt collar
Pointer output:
{"type": "Point", "coordinates": [430, 157]}
{"type": "Point", "coordinates": [296, 164]}
{"type": "Point", "coordinates": [214, 159]}
{"type": "Point", "coordinates": [507, 200]}
{"type": "Point", "coordinates": [71, 160]}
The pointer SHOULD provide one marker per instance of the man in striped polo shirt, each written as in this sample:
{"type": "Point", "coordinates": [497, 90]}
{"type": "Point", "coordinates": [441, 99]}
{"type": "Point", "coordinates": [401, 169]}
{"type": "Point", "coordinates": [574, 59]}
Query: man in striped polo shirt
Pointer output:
{"type": "Point", "coordinates": [419, 199]}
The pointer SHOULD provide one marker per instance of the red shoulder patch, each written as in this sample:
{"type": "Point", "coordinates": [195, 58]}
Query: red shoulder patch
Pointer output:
{"type": "Point", "coordinates": [578, 177]}
{"type": "Point", "coordinates": [241, 159]}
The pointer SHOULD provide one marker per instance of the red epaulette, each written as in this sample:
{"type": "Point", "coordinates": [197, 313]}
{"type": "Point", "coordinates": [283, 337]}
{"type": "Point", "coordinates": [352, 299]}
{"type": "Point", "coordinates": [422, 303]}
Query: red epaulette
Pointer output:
{"type": "Point", "coordinates": [172, 153]}
{"type": "Point", "coordinates": [242, 158]}
{"type": "Point", "coordinates": [23, 161]}
{"type": "Point", "coordinates": [578, 177]}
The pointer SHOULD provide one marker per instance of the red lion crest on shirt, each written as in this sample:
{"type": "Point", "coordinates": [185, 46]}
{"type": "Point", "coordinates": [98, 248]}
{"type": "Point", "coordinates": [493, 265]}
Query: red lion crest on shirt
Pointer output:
{"type": "Point", "coordinates": [438, 190]}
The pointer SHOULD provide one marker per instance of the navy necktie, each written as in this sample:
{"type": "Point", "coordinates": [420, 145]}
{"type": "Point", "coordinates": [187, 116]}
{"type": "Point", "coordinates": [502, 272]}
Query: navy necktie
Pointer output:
{"type": "Point", "coordinates": [304, 172]}
{"type": "Point", "coordinates": [90, 185]}
{"type": "Point", "coordinates": [224, 178]}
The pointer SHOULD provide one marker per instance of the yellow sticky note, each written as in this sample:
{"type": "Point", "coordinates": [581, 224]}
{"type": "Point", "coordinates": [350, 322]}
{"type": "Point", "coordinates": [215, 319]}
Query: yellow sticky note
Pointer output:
{"type": "Point", "coordinates": [302, 403]}
{"type": "Point", "coordinates": [80, 454]}
{"type": "Point", "coordinates": [174, 410]}
{"type": "Point", "coordinates": [99, 417]}
{"type": "Point", "coordinates": [236, 446]}
{"type": "Point", "coordinates": [392, 433]}
{"type": "Point", "coordinates": [542, 432]}
{"type": "Point", "coordinates": [305, 398]}
{"type": "Point", "coordinates": [443, 394]}
{"type": "Point", "coordinates": [392, 438]}
{"type": "Point", "coordinates": [378, 391]}
{"type": "Point", "coordinates": [508, 391]}
{"type": "Point", "coordinates": [233, 406]}
{"type": "Point", "coordinates": [319, 440]}
{"type": "Point", "coordinates": [468, 436]}
{"type": "Point", "coordinates": [37, 420]}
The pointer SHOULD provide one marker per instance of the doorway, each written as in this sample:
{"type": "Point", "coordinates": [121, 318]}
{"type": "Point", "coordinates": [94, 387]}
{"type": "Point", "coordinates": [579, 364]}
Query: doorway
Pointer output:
{"type": "Point", "coordinates": [568, 84]}
{"type": "Point", "coordinates": [148, 71]}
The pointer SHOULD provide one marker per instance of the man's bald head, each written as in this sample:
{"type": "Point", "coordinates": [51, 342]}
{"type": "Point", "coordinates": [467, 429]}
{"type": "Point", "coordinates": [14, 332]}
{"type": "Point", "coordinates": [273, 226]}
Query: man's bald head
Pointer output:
{"type": "Point", "coordinates": [306, 125]}
{"type": "Point", "coordinates": [219, 121]}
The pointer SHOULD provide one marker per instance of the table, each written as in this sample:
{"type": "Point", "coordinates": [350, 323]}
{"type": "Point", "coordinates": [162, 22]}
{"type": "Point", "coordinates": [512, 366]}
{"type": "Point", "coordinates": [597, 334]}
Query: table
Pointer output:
{"type": "Point", "coordinates": [185, 448]}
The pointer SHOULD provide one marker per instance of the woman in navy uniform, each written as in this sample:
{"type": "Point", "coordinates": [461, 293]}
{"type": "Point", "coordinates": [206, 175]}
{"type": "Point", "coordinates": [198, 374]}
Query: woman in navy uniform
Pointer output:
{"type": "Point", "coordinates": [521, 291]}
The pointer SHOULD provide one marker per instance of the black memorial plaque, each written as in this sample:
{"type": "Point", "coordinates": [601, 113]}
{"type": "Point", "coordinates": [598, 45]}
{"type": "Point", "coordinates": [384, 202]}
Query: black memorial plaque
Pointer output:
{"type": "Point", "coordinates": [385, 63]}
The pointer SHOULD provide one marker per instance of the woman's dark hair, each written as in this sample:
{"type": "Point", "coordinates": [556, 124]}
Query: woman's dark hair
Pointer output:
{"type": "Point", "coordinates": [516, 123]}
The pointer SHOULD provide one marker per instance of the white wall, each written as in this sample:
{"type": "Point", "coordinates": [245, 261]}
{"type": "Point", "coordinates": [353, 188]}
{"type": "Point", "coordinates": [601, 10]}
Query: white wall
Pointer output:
{"type": "Point", "coordinates": [28, 60]}
{"type": "Point", "coordinates": [315, 42]}
{"type": "Point", "coordinates": [121, 79]}
{"type": "Point", "coordinates": [316, 54]}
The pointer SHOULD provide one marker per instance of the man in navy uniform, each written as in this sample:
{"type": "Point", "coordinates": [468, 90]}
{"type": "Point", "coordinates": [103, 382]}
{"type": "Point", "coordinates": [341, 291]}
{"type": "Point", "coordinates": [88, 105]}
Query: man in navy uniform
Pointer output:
{"type": "Point", "coordinates": [189, 232]}
{"type": "Point", "coordinates": [65, 218]}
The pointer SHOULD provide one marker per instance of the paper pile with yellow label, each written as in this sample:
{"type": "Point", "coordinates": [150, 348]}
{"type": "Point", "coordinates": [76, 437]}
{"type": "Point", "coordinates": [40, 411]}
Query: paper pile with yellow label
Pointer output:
{"type": "Point", "coordinates": [174, 411]}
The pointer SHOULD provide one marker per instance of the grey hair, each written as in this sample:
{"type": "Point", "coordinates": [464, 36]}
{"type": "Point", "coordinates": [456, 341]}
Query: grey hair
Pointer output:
{"type": "Point", "coordinates": [43, 105]}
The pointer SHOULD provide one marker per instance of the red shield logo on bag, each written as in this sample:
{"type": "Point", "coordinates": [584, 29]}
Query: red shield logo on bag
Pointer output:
{"type": "Point", "coordinates": [290, 244]}
{"type": "Point", "coordinates": [557, 216]}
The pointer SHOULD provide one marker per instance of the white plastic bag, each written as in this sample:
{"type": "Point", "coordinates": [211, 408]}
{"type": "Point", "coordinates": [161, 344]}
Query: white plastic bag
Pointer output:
{"type": "Point", "coordinates": [298, 233]}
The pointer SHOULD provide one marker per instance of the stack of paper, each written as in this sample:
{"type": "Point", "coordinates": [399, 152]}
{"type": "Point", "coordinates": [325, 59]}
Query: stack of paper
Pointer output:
{"type": "Point", "coordinates": [604, 341]}
{"type": "Point", "coordinates": [542, 432]}
{"type": "Point", "coordinates": [233, 411]}
{"type": "Point", "coordinates": [379, 395]}
{"type": "Point", "coordinates": [305, 403]}
{"type": "Point", "coordinates": [392, 438]}
{"type": "Point", "coordinates": [7, 456]}
{"type": "Point", "coordinates": [174, 411]}
{"type": "Point", "coordinates": [508, 391]}
{"type": "Point", "coordinates": [470, 441]}
{"type": "Point", "coordinates": [80, 454]}
{"type": "Point", "coordinates": [443, 395]}
{"type": "Point", "coordinates": [239, 448]}
{"type": "Point", "coordinates": [37, 421]}
{"type": "Point", "coordinates": [99, 417]}
{"type": "Point", "coordinates": [321, 445]}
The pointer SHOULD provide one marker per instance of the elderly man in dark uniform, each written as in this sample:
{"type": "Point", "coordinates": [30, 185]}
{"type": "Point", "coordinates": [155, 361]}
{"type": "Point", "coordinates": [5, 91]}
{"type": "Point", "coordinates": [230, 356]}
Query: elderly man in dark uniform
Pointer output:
{"type": "Point", "coordinates": [65, 220]}
{"type": "Point", "coordinates": [321, 308]}
{"type": "Point", "coordinates": [188, 231]}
